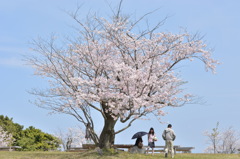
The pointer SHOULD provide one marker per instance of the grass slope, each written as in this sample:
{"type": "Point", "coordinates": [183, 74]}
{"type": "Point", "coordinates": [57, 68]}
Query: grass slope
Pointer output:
{"type": "Point", "coordinates": [94, 155]}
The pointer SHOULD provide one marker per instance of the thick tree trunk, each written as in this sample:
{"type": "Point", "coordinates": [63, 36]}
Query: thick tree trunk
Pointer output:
{"type": "Point", "coordinates": [108, 134]}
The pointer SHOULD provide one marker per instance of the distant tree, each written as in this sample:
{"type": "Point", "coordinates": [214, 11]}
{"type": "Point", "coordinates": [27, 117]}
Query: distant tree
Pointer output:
{"type": "Point", "coordinates": [9, 126]}
{"type": "Point", "coordinates": [230, 141]}
{"type": "Point", "coordinates": [225, 141]}
{"type": "Point", "coordinates": [116, 68]}
{"type": "Point", "coordinates": [6, 138]}
{"type": "Point", "coordinates": [213, 138]}
{"type": "Point", "coordinates": [73, 137]}
{"type": "Point", "coordinates": [34, 139]}
{"type": "Point", "coordinates": [30, 139]}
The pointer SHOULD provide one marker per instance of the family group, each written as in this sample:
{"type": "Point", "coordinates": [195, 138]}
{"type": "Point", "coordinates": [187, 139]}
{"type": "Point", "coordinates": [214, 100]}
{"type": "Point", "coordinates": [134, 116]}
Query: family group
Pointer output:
{"type": "Point", "coordinates": [168, 136]}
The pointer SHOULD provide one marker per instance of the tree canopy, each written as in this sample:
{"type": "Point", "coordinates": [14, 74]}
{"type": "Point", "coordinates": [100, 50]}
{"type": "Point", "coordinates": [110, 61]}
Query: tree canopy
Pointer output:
{"type": "Point", "coordinates": [9, 126]}
{"type": "Point", "coordinates": [33, 139]}
{"type": "Point", "coordinates": [29, 139]}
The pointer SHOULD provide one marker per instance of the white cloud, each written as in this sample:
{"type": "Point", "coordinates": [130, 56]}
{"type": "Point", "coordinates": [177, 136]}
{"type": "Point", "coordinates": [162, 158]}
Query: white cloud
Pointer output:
{"type": "Point", "coordinates": [12, 62]}
{"type": "Point", "coordinates": [13, 56]}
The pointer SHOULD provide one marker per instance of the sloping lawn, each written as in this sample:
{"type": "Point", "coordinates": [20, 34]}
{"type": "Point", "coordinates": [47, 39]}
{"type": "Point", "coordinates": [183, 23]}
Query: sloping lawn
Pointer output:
{"type": "Point", "coordinates": [94, 155]}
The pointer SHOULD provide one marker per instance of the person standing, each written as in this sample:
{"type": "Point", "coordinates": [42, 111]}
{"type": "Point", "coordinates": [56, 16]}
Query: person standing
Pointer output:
{"type": "Point", "coordinates": [169, 136]}
{"type": "Point", "coordinates": [88, 134]}
{"type": "Point", "coordinates": [151, 139]}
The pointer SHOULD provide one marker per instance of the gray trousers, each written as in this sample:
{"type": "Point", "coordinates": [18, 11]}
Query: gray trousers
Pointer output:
{"type": "Point", "coordinates": [169, 147]}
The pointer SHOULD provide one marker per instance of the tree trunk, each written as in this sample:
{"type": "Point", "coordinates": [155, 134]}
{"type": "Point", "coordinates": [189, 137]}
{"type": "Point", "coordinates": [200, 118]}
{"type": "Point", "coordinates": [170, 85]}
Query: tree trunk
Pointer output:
{"type": "Point", "coordinates": [108, 134]}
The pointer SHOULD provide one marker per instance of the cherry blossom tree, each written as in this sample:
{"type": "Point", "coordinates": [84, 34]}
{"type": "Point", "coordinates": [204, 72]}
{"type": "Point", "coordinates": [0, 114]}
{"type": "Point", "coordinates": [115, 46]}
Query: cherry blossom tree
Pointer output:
{"type": "Point", "coordinates": [222, 141]}
{"type": "Point", "coordinates": [73, 137]}
{"type": "Point", "coordinates": [230, 141]}
{"type": "Point", "coordinates": [116, 69]}
{"type": "Point", "coordinates": [214, 139]}
{"type": "Point", "coordinates": [6, 138]}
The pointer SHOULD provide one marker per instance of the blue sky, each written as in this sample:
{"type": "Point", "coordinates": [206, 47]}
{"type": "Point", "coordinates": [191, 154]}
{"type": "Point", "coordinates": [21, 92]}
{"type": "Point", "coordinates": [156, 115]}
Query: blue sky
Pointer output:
{"type": "Point", "coordinates": [217, 20]}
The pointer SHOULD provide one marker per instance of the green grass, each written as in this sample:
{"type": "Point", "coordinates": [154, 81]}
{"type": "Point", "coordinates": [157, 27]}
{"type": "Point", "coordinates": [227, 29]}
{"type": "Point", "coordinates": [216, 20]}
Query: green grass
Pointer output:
{"type": "Point", "coordinates": [94, 155]}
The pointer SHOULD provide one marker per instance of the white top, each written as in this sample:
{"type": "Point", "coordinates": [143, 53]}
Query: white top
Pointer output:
{"type": "Point", "coordinates": [150, 137]}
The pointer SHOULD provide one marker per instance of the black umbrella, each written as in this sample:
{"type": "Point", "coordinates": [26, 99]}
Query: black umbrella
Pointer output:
{"type": "Point", "coordinates": [139, 134]}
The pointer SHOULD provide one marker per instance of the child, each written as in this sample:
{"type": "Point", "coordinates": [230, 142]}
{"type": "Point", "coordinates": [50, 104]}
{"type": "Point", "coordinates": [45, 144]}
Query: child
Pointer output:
{"type": "Point", "coordinates": [151, 139]}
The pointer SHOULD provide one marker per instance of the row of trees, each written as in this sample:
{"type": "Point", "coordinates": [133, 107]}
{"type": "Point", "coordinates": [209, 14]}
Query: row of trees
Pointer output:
{"type": "Point", "coordinates": [29, 139]}
{"type": "Point", "coordinates": [222, 141]}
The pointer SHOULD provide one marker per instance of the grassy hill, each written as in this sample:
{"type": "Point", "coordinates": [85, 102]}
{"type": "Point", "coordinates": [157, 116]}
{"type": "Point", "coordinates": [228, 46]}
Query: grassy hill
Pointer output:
{"type": "Point", "coordinates": [94, 155]}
